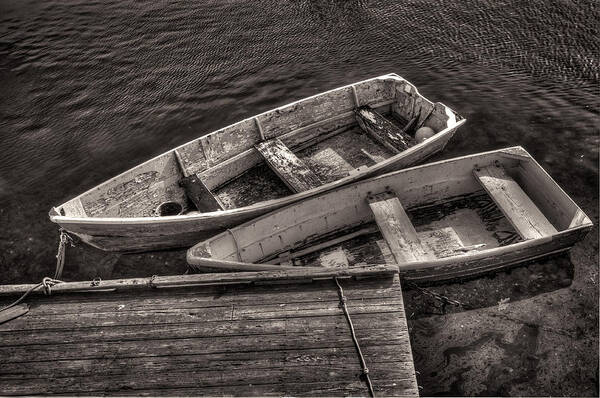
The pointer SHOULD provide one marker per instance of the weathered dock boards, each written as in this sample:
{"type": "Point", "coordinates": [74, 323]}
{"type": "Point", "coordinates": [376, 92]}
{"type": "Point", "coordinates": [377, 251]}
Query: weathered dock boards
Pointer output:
{"type": "Point", "coordinates": [245, 339]}
{"type": "Point", "coordinates": [519, 209]}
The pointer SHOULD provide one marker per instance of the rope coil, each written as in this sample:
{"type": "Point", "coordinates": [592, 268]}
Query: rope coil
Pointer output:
{"type": "Point", "coordinates": [47, 285]}
{"type": "Point", "coordinates": [363, 364]}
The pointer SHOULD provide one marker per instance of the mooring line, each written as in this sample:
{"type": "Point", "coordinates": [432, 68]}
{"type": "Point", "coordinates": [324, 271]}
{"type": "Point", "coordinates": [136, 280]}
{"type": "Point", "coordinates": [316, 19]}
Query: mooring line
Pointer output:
{"type": "Point", "coordinates": [363, 364]}
{"type": "Point", "coordinates": [62, 248]}
{"type": "Point", "coordinates": [46, 283]}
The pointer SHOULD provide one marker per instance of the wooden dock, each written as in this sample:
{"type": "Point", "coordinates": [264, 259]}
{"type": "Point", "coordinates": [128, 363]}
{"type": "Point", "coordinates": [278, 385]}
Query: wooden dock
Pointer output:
{"type": "Point", "coordinates": [242, 334]}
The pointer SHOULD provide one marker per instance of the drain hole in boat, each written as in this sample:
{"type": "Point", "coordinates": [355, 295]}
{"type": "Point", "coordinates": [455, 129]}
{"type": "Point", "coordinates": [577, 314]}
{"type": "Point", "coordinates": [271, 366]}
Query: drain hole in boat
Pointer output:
{"type": "Point", "coordinates": [169, 209]}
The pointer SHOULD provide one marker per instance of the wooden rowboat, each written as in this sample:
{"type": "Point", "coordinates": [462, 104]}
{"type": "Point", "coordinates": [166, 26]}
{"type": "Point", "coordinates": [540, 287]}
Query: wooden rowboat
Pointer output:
{"type": "Point", "coordinates": [260, 164]}
{"type": "Point", "coordinates": [444, 220]}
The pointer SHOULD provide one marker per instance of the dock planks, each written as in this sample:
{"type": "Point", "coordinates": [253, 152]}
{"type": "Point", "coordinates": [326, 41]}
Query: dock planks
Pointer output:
{"type": "Point", "coordinates": [519, 209]}
{"type": "Point", "coordinates": [292, 170]}
{"type": "Point", "coordinates": [236, 339]}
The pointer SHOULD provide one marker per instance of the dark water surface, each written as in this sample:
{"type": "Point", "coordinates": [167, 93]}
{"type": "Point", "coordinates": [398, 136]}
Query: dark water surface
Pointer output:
{"type": "Point", "coordinates": [89, 89]}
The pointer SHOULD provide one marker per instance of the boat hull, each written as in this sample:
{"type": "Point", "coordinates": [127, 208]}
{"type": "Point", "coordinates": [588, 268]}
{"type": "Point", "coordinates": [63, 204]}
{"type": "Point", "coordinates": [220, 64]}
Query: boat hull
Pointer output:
{"type": "Point", "coordinates": [436, 271]}
{"type": "Point", "coordinates": [514, 255]}
{"type": "Point", "coordinates": [336, 228]}
{"type": "Point", "coordinates": [121, 214]}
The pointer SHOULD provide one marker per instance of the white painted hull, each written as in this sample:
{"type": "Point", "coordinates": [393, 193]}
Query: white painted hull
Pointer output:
{"type": "Point", "coordinates": [271, 240]}
{"type": "Point", "coordinates": [144, 234]}
{"type": "Point", "coordinates": [104, 220]}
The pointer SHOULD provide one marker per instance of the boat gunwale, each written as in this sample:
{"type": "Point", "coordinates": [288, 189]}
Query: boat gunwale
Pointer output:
{"type": "Point", "coordinates": [407, 266]}
{"type": "Point", "coordinates": [60, 219]}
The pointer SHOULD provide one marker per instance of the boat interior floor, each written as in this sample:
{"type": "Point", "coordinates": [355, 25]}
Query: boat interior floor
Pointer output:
{"type": "Point", "coordinates": [330, 159]}
{"type": "Point", "coordinates": [457, 227]}
{"type": "Point", "coordinates": [335, 157]}
{"type": "Point", "coordinates": [255, 185]}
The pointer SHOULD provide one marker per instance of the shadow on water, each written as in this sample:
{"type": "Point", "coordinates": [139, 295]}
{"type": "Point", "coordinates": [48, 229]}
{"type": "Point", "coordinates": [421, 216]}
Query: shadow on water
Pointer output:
{"type": "Point", "coordinates": [519, 357]}
{"type": "Point", "coordinates": [517, 283]}
{"type": "Point", "coordinates": [526, 330]}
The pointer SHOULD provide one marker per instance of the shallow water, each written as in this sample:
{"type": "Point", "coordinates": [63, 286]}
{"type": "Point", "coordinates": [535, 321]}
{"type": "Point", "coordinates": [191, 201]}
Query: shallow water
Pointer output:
{"type": "Point", "coordinates": [90, 89]}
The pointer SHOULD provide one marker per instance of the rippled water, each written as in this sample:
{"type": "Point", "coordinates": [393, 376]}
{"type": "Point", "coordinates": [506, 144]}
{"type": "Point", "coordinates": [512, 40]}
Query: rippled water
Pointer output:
{"type": "Point", "coordinates": [89, 89]}
{"type": "Point", "coordinates": [92, 88]}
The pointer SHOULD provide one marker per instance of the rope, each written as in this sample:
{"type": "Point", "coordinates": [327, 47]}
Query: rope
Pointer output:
{"type": "Point", "coordinates": [440, 297]}
{"type": "Point", "coordinates": [60, 256]}
{"type": "Point", "coordinates": [363, 364]}
{"type": "Point", "coordinates": [96, 282]}
{"type": "Point", "coordinates": [426, 117]}
{"type": "Point", "coordinates": [46, 283]}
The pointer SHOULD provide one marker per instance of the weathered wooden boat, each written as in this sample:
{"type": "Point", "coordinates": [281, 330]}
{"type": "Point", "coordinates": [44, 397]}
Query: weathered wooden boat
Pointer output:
{"type": "Point", "coordinates": [233, 334]}
{"type": "Point", "coordinates": [259, 164]}
{"type": "Point", "coordinates": [450, 219]}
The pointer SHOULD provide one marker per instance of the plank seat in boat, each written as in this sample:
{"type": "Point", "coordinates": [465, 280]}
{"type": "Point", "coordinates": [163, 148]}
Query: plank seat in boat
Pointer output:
{"type": "Point", "coordinates": [199, 194]}
{"type": "Point", "coordinates": [292, 170]}
{"type": "Point", "coordinates": [517, 207]}
{"type": "Point", "coordinates": [195, 189]}
{"type": "Point", "coordinates": [396, 228]}
{"type": "Point", "coordinates": [383, 130]}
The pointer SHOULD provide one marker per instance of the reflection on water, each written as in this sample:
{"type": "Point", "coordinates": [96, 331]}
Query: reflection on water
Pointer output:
{"type": "Point", "coordinates": [92, 88]}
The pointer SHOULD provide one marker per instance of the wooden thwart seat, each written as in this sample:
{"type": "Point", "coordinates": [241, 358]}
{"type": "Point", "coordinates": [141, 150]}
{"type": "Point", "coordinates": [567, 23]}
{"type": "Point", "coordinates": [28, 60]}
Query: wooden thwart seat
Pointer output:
{"type": "Point", "coordinates": [382, 130]}
{"type": "Point", "coordinates": [517, 207]}
{"type": "Point", "coordinates": [396, 228]}
{"type": "Point", "coordinates": [292, 171]}
{"type": "Point", "coordinates": [200, 195]}
{"type": "Point", "coordinates": [195, 189]}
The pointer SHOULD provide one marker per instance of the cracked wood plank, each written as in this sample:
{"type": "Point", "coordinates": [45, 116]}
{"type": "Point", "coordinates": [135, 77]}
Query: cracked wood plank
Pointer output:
{"type": "Point", "coordinates": [292, 171]}
{"type": "Point", "coordinates": [384, 131]}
